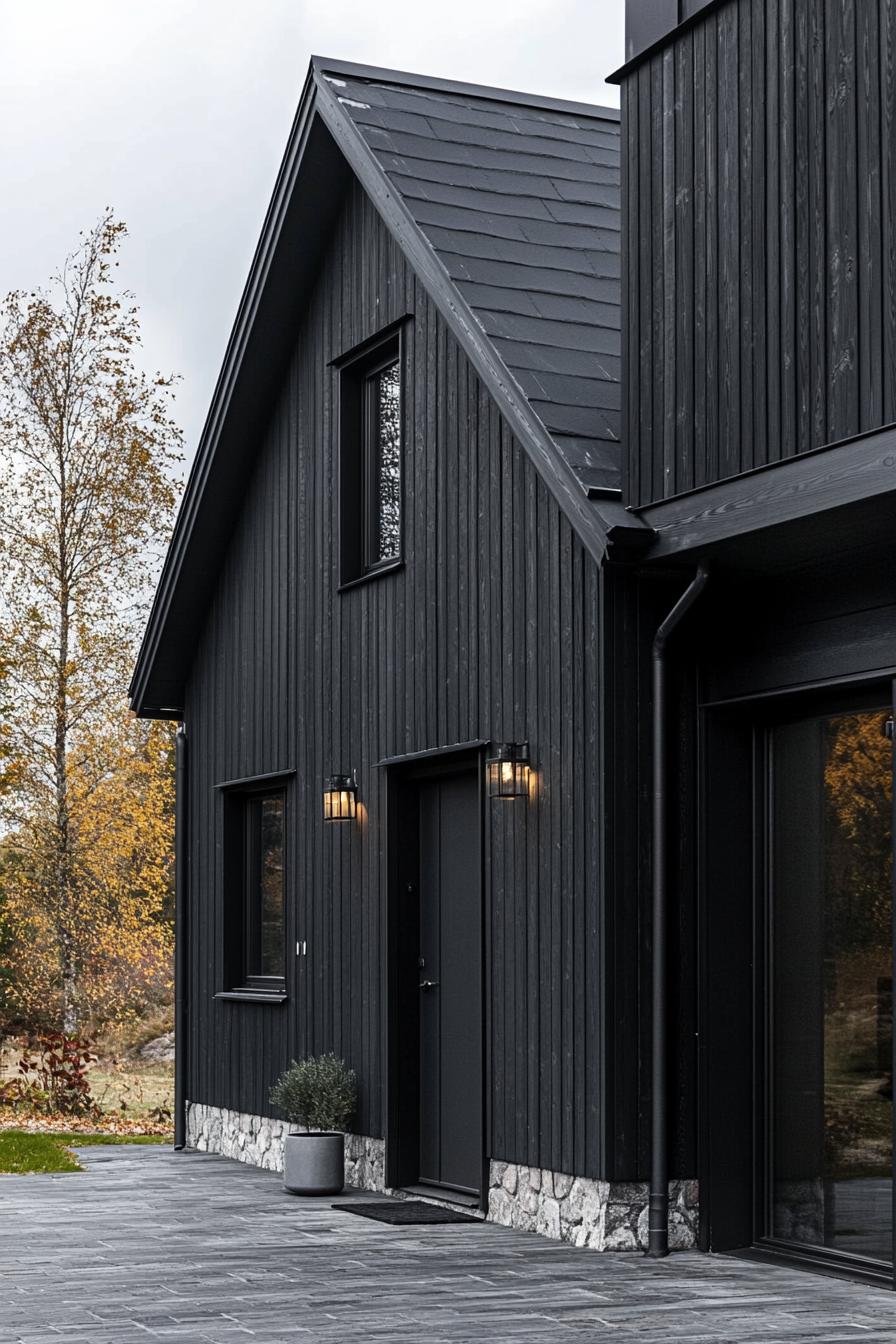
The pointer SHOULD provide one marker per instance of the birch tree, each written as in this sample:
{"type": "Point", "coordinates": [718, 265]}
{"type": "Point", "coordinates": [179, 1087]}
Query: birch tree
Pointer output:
{"type": "Point", "coordinates": [87, 447]}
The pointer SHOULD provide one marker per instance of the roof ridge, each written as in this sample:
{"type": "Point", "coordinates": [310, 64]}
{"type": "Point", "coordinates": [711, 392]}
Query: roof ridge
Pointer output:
{"type": "Point", "coordinates": [403, 78]}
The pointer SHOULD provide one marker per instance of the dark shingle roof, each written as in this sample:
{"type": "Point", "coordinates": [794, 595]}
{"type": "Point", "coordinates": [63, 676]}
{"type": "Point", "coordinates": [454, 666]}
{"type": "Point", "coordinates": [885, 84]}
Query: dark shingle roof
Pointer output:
{"type": "Point", "coordinates": [520, 200]}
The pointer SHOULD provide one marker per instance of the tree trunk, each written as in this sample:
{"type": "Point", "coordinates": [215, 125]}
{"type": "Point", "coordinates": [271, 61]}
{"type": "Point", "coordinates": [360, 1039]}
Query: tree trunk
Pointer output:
{"type": "Point", "coordinates": [62, 874]}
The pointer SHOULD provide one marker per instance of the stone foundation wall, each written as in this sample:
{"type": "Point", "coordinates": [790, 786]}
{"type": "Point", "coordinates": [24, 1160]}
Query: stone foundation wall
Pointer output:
{"type": "Point", "coordinates": [583, 1212]}
{"type": "Point", "coordinates": [258, 1140]}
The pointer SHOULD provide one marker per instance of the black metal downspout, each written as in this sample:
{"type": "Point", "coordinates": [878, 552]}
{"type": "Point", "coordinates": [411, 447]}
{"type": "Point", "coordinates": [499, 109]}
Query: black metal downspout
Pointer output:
{"type": "Point", "coordinates": [658, 1216]}
{"type": "Point", "coordinates": [180, 938]}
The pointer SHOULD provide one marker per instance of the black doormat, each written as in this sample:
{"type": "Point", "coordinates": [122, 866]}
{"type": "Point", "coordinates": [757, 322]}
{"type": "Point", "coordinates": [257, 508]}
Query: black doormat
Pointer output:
{"type": "Point", "coordinates": [404, 1211]}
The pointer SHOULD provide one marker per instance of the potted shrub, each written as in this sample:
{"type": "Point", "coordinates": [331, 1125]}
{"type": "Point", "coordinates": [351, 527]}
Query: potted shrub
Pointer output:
{"type": "Point", "coordinates": [319, 1094]}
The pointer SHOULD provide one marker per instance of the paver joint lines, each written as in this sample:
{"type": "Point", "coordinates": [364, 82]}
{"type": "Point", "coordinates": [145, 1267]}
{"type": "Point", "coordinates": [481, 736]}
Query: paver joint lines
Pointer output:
{"type": "Point", "coordinates": [151, 1245]}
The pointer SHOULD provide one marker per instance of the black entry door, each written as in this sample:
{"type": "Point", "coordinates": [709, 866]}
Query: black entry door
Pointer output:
{"type": "Point", "coordinates": [450, 1000]}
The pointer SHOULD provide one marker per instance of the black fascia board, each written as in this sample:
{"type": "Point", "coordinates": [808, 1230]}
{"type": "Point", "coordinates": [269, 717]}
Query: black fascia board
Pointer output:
{"type": "Point", "coordinates": [255, 356]}
{"type": "Point", "coordinates": [812, 484]}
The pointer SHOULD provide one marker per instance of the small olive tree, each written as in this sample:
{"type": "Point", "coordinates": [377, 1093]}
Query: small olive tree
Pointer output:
{"type": "Point", "coordinates": [318, 1093]}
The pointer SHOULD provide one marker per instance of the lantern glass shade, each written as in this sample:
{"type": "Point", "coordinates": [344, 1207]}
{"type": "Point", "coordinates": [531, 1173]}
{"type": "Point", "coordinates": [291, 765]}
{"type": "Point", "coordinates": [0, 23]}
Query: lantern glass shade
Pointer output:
{"type": "Point", "coordinates": [340, 798]}
{"type": "Point", "coordinates": [507, 771]}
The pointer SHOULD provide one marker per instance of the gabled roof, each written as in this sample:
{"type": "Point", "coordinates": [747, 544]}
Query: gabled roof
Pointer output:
{"type": "Point", "coordinates": [521, 203]}
{"type": "Point", "coordinates": [507, 206]}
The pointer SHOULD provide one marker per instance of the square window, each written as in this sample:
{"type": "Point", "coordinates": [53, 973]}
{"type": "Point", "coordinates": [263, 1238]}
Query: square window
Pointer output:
{"type": "Point", "coordinates": [371, 460]}
{"type": "Point", "coordinates": [255, 890]}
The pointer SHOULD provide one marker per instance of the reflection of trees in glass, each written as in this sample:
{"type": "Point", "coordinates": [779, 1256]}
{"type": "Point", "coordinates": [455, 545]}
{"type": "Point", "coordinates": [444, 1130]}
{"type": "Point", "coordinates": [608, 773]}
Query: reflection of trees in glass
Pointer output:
{"type": "Point", "coordinates": [387, 489]}
{"type": "Point", "coordinates": [858, 909]}
{"type": "Point", "coordinates": [272, 886]}
{"type": "Point", "coordinates": [858, 794]}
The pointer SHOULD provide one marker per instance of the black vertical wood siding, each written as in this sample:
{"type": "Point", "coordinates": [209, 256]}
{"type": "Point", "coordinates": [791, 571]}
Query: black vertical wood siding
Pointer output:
{"type": "Point", "coordinates": [759, 228]}
{"type": "Point", "coordinates": [489, 632]}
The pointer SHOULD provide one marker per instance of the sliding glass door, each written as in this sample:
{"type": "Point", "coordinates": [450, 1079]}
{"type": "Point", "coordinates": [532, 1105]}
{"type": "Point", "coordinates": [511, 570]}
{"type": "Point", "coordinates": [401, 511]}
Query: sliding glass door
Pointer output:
{"type": "Point", "coordinates": [827, 1179]}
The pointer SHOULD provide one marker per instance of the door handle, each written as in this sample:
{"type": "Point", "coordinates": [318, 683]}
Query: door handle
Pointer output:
{"type": "Point", "coordinates": [428, 984]}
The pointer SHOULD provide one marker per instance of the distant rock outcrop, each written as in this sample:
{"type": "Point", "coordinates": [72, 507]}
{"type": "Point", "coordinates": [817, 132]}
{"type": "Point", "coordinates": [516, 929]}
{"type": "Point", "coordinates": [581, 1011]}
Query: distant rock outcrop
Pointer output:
{"type": "Point", "coordinates": [160, 1050]}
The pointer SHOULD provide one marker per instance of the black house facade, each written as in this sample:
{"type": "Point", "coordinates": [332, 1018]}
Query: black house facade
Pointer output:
{"type": "Point", "coordinates": [531, 622]}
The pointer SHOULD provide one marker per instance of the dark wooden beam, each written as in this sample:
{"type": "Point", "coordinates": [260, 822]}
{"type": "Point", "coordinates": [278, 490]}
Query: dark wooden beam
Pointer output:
{"type": "Point", "coordinates": [853, 471]}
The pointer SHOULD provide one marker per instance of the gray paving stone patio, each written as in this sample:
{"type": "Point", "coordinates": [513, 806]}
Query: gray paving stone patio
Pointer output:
{"type": "Point", "coordinates": [152, 1245]}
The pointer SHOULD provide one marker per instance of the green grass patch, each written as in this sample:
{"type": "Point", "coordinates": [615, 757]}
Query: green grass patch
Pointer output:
{"type": "Point", "coordinates": [22, 1152]}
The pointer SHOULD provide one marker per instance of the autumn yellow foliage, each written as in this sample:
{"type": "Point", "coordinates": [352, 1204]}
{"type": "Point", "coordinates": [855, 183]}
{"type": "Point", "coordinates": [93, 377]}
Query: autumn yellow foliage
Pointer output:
{"type": "Point", "coordinates": [117, 918]}
{"type": "Point", "coordinates": [87, 443]}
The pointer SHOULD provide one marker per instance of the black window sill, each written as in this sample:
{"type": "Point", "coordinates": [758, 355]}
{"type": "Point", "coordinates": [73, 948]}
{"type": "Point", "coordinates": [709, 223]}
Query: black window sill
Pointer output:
{"type": "Point", "coordinates": [252, 995]}
{"type": "Point", "coordinates": [371, 574]}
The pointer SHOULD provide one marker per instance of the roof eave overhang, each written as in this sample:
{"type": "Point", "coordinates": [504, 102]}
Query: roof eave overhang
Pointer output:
{"type": "Point", "coordinates": [797, 506]}
{"type": "Point", "coordinates": [148, 698]}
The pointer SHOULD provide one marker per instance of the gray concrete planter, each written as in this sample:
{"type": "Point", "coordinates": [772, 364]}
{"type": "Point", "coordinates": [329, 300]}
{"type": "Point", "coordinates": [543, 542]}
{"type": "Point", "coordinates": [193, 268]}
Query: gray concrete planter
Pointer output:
{"type": "Point", "coordinates": [313, 1164]}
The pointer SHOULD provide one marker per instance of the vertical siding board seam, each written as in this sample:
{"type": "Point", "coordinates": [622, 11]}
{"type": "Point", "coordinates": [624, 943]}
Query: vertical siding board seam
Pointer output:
{"type": "Point", "coordinates": [646, 352]}
{"type": "Point", "coordinates": [760, 259]}
{"type": "Point", "coordinates": [556, 855]}
{"type": "Point", "coordinates": [868, 209]}
{"type": "Point", "coordinates": [818, 258]}
{"type": "Point", "coordinates": [842, 261]}
{"type": "Point", "coordinates": [683, 142]}
{"type": "Point", "coordinates": [566, 854]}
{"type": "Point", "coordinates": [801, 188]}
{"type": "Point", "coordinates": [698, 463]}
{"type": "Point", "coordinates": [532, 644]}
{"type": "Point", "coordinates": [630, 270]}
{"type": "Point", "coordinates": [520, 472]}
{"type": "Point", "coordinates": [711, 382]}
{"type": "Point", "coordinates": [658, 302]}
{"type": "Point", "coordinates": [745, 241]}
{"type": "Point", "coordinates": [773, 179]}
{"type": "Point", "coordinates": [670, 294]}
{"type": "Point", "coordinates": [888, 204]}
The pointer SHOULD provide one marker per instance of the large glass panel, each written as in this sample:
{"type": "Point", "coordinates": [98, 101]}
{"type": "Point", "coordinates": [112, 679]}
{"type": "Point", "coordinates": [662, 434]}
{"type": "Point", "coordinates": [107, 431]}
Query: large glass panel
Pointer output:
{"type": "Point", "coordinates": [386, 466]}
{"type": "Point", "coordinates": [831, 1087]}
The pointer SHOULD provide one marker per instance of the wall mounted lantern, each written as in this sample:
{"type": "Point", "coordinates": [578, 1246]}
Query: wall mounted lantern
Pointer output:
{"type": "Point", "coordinates": [507, 770]}
{"type": "Point", "coordinates": [340, 797]}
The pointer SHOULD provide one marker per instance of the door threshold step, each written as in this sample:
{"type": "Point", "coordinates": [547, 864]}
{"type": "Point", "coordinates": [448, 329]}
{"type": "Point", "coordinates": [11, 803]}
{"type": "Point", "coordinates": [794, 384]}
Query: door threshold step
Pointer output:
{"type": "Point", "coordinates": [455, 1198]}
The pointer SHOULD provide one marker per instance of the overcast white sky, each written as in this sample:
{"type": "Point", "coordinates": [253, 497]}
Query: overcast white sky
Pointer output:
{"type": "Point", "coordinates": [176, 114]}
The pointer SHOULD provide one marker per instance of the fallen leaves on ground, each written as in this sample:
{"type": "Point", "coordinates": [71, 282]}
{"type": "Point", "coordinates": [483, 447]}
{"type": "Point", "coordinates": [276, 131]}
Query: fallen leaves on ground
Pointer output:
{"type": "Point", "coordinates": [69, 1124]}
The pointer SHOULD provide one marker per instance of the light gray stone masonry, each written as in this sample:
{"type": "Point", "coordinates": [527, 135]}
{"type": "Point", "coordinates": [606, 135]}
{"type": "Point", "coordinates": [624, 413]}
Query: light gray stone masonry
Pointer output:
{"type": "Point", "coordinates": [258, 1140]}
{"type": "Point", "coordinates": [584, 1212]}
{"type": "Point", "coordinates": [575, 1209]}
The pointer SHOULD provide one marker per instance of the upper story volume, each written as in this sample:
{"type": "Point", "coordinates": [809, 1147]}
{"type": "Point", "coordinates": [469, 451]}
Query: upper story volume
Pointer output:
{"type": "Point", "coordinates": [759, 236]}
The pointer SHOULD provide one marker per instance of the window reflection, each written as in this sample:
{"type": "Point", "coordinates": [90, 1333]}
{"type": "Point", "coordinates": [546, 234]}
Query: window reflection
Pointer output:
{"type": "Point", "coordinates": [831, 980]}
{"type": "Point", "coordinates": [386, 501]}
{"type": "Point", "coordinates": [270, 887]}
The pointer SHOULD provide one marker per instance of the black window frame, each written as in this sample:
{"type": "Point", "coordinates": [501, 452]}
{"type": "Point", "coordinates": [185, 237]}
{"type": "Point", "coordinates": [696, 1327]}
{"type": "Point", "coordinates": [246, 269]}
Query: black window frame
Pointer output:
{"type": "Point", "coordinates": [240, 822]}
{"type": "Point", "coordinates": [359, 455]}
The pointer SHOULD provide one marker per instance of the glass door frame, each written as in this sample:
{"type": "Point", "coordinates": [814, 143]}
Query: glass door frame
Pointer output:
{"type": "Point", "coordinates": [862, 697]}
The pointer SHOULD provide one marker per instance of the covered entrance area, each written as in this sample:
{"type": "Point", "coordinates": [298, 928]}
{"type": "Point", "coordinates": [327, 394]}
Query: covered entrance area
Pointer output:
{"type": "Point", "coordinates": [791, 666]}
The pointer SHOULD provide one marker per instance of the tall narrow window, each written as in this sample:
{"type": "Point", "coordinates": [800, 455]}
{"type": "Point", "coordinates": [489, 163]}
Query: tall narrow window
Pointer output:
{"type": "Point", "coordinates": [253, 822]}
{"type": "Point", "coordinates": [264, 889]}
{"type": "Point", "coordinates": [383, 453]}
{"type": "Point", "coordinates": [371, 460]}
